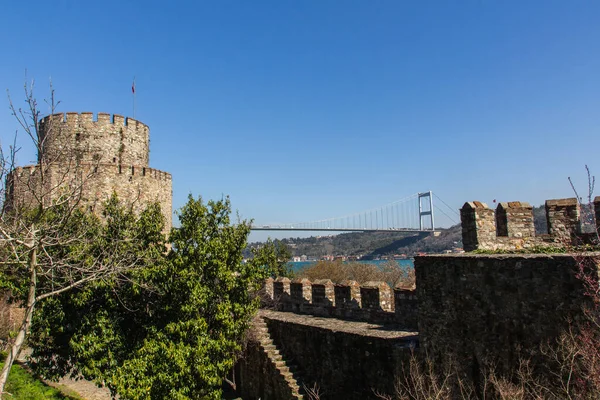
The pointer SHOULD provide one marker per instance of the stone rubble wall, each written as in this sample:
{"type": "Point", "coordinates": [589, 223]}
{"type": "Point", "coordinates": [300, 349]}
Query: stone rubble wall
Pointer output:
{"type": "Point", "coordinates": [343, 365]}
{"type": "Point", "coordinates": [263, 373]}
{"type": "Point", "coordinates": [108, 139]}
{"type": "Point", "coordinates": [94, 184]}
{"type": "Point", "coordinates": [486, 309]}
{"type": "Point", "coordinates": [511, 226]}
{"type": "Point", "coordinates": [90, 160]}
{"type": "Point", "coordinates": [373, 301]}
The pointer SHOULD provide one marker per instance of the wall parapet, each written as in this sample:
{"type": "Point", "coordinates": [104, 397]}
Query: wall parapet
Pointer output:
{"type": "Point", "coordinates": [110, 139]}
{"type": "Point", "coordinates": [135, 185]}
{"type": "Point", "coordinates": [480, 310]}
{"type": "Point", "coordinates": [90, 168]}
{"type": "Point", "coordinates": [101, 118]}
{"type": "Point", "coordinates": [511, 225]}
{"type": "Point", "coordinates": [374, 302]}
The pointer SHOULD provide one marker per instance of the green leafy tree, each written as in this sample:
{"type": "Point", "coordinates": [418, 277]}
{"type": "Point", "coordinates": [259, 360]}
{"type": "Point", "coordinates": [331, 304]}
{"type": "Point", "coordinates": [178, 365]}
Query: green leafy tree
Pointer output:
{"type": "Point", "coordinates": [48, 244]}
{"type": "Point", "coordinates": [276, 255]}
{"type": "Point", "coordinates": [175, 329]}
{"type": "Point", "coordinates": [80, 332]}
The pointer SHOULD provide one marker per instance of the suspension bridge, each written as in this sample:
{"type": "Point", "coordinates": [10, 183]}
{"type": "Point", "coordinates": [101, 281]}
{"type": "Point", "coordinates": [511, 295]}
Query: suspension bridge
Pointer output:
{"type": "Point", "coordinates": [414, 213]}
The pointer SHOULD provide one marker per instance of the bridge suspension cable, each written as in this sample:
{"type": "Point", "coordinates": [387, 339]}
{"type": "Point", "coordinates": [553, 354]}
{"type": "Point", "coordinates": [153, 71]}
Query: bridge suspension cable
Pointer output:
{"type": "Point", "coordinates": [412, 213]}
{"type": "Point", "coordinates": [452, 210]}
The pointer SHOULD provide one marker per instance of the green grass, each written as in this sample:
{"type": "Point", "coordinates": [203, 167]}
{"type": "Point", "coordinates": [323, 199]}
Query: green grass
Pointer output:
{"type": "Point", "coordinates": [23, 386]}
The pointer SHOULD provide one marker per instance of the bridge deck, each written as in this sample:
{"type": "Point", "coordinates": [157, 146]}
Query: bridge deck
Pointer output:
{"type": "Point", "coordinates": [268, 228]}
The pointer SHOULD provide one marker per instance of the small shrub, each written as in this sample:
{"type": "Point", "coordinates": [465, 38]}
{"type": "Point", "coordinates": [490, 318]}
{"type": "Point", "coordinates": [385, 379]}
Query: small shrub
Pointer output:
{"type": "Point", "coordinates": [338, 271]}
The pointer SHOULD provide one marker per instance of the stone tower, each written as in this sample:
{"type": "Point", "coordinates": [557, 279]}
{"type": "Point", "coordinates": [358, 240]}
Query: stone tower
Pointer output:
{"type": "Point", "coordinates": [105, 155]}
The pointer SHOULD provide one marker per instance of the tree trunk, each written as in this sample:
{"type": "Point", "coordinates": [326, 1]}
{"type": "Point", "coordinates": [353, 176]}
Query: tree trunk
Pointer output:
{"type": "Point", "coordinates": [24, 329]}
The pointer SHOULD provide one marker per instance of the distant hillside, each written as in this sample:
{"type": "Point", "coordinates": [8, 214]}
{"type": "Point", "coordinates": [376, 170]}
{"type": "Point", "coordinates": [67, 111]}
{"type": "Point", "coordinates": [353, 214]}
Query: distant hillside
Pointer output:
{"type": "Point", "coordinates": [373, 244]}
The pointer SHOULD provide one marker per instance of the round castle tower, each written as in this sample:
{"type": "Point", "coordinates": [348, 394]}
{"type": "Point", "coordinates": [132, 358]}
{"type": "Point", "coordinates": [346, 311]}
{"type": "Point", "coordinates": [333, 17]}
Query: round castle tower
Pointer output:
{"type": "Point", "coordinates": [109, 140]}
{"type": "Point", "coordinates": [111, 152]}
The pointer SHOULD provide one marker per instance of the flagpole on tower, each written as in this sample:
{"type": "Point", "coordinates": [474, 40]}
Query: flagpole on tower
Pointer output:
{"type": "Point", "coordinates": [133, 92]}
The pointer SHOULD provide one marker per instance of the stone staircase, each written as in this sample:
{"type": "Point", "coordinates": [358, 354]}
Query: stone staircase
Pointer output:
{"type": "Point", "coordinates": [286, 370]}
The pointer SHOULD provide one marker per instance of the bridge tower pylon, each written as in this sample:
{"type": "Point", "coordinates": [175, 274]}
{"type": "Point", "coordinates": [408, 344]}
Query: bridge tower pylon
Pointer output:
{"type": "Point", "coordinates": [426, 209]}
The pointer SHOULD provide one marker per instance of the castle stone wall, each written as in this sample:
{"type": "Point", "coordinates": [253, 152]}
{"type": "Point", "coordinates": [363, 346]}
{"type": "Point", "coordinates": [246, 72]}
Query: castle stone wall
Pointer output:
{"type": "Point", "coordinates": [94, 183]}
{"type": "Point", "coordinates": [511, 227]}
{"type": "Point", "coordinates": [563, 219]}
{"type": "Point", "coordinates": [108, 139]}
{"type": "Point", "coordinates": [515, 219]}
{"type": "Point", "coordinates": [373, 301]}
{"type": "Point", "coordinates": [90, 159]}
{"type": "Point", "coordinates": [344, 362]}
{"type": "Point", "coordinates": [323, 293]}
{"type": "Point", "coordinates": [257, 377]}
{"type": "Point", "coordinates": [482, 309]}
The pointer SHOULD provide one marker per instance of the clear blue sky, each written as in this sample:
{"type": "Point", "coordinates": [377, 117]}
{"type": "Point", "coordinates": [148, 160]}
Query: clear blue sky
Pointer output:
{"type": "Point", "coordinates": [302, 110]}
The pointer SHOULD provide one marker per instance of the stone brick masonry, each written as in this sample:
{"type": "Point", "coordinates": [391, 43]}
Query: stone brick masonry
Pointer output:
{"type": "Point", "coordinates": [491, 309]}
{"type": "Point", "coordinates": [373, 301]}
{"type": "Point", "coordinates": [97, 157]}
{"type": "Point", "coordinates": [511, 227]}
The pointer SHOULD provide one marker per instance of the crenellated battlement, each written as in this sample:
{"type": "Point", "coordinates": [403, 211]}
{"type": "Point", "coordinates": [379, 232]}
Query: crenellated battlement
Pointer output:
{"type": "Point", "coordinates": [101, 138]}
{"type": "Point", "coordinates": [511, 225]}
{"type": "Point", "coordinates": [130, 170]}
{"type": "Point", "coordinates": [137, 185]}
{"type": "Point", "coordinates": [89, 117]}
{"type": "Point", "coordinates": [27, 170]}
{"type": "Point", "coordinates": [374, 302]}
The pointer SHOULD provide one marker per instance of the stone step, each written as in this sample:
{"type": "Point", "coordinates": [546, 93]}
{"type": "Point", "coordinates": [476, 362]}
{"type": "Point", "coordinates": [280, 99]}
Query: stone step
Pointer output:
{"type": "Point", "coordinates": [276, 360]}
{"type": "Point", "coordinates": [262, 329]}
{"type": "Point", "coordinates": [293, 384]}
{"type": "Point", "coordinates": [286, 371]}
{"type": "Point", "coordinates": [260, 324]}
{"type": "Point", "coordinates": [286, 374]}
{"type": "Point", "coordinates": [283, 369]}
{"type": "Point", "coordinates": [274, 353]}
{"type": "Point", "coordinates": [291, 381]}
